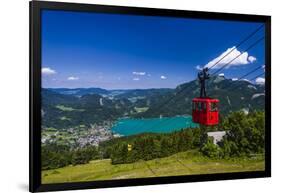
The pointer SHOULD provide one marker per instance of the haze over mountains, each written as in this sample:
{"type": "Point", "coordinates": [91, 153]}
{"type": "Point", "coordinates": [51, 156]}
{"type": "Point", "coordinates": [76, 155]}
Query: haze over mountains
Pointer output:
{"type": "Point", "coordinates": [66, 108]}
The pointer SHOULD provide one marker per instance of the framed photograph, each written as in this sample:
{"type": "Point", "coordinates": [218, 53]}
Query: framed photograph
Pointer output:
{"type": "Point", "coordinates": [126, 96]}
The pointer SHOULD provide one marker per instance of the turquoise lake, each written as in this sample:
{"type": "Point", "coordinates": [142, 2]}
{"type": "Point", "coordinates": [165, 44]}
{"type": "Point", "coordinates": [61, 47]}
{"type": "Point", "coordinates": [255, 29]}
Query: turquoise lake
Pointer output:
{"type": "Point", "coordinates": [128, 126]}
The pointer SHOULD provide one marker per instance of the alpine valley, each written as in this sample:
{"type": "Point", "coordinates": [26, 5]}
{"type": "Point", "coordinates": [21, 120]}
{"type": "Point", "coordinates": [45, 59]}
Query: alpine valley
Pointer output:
{"type": "Point", "coordinates": [84, 116]}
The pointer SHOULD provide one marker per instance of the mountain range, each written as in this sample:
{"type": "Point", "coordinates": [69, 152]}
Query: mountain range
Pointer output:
{"type": "Point", "coordinates": [70, 108]}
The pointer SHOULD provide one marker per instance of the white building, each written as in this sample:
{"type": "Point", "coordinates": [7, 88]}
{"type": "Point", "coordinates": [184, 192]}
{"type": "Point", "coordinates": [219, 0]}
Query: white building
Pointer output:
{"type": "Point", "coordinates": [217, 136]}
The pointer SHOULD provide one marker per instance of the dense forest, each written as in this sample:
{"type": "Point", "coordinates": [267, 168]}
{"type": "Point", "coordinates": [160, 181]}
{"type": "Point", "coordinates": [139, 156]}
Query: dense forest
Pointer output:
{"type": "Point", "coordinates": [244, 137]}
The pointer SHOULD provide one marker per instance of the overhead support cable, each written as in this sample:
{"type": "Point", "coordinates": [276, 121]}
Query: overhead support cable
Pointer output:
{"type": "Point", "coordinates": [228, 63]}
{"type": "Point", "coordinates": [237, 46]}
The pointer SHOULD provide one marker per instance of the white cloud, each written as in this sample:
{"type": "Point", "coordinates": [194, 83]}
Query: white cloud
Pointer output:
{"type": "Point", "coordinates": [245, 79]}
{"type": "Point", "coordinates": [234, 79]}
{"type": "Point", "coordinates": [139, 73]}
{"type": "Point", "coordinates": [260, 81]}
{"type": "Point", "coordinates": [198, 67]}
{"type": "Point", "coordinates": [243, 59]}
{"type": "Point", "coordinates": [163, 77]}
{"type": "Point", "coordinates": [73, 78]}
{"type": "Point", "coordinates": [48, 71]}
{"type": "Point", "coordinates": [252, 59]}
{"type": "Point", "coordinates": [136, 79]}
{"type": "Point", "coordinates": [221, 74]}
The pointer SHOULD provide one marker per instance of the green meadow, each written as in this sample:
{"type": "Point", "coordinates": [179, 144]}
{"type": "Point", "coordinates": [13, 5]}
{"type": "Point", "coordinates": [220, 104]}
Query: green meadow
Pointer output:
{"type": "Point", "coordinates": [183, 163]}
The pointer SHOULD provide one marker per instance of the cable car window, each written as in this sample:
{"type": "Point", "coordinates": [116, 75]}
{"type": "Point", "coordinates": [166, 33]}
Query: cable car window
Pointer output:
{"type": "Point", "coordinates": [204, 106]}
{"type": "Point", "coordinates": [214, 107]}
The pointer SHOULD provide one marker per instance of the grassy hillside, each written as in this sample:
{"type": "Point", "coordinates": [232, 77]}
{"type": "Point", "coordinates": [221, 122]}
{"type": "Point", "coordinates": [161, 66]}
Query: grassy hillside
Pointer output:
{"type": "Point", "coordinates": [184, 163]}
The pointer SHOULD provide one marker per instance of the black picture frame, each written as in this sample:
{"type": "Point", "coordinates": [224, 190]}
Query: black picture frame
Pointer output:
{"type": "Point", "coordinates": [35, 95]}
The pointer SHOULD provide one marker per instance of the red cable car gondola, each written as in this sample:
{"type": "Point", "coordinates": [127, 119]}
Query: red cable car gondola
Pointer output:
{"type": "Point", "coordinates": [205, 109]}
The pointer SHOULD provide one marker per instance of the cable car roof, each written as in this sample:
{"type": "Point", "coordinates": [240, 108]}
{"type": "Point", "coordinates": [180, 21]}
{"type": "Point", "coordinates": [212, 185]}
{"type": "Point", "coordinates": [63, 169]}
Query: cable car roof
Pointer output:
{"type": "Point", "coordinates": [205, 99]}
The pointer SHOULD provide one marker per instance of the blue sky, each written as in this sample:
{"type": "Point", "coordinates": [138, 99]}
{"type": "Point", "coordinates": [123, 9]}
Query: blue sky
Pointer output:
{"type": "Point", "coordinates": [115, 51]}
